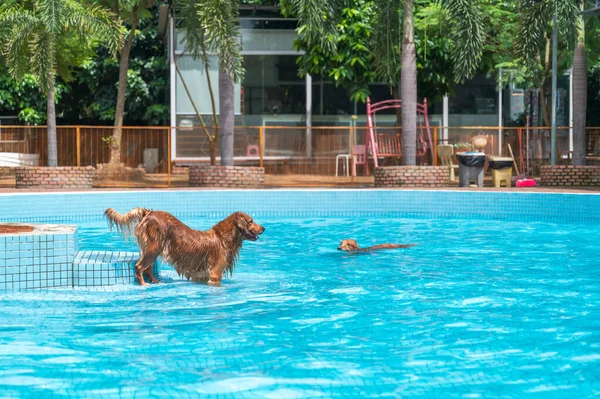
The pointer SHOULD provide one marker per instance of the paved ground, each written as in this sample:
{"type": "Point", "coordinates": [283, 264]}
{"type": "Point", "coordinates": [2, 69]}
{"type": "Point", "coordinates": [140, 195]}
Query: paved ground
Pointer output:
{"type": "Point", "coordinates": [292, 182]}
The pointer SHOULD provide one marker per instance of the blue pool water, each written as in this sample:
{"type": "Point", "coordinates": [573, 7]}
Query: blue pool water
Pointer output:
{"type": "Point", "coordinates": [479, 309]}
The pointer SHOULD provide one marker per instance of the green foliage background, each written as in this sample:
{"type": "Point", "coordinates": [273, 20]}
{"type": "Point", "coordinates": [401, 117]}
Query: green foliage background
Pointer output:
{"type": "Point", "coordinates": [88, 93]}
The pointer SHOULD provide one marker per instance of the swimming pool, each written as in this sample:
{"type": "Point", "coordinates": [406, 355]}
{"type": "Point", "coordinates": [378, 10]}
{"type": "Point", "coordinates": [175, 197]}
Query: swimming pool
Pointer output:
{"type": "Point", "coordinates": [499, 299]}
{"type": "Point", "coordinates": [480, 308]}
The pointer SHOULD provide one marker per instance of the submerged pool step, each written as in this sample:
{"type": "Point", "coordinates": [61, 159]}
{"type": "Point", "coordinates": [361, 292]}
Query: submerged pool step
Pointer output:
{"type": "Point", "coordinates": [103, 268]}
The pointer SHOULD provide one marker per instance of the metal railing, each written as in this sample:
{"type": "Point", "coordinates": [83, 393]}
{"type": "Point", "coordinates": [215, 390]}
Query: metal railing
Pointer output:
{"type": "Point", "coordinates": [281, 150]}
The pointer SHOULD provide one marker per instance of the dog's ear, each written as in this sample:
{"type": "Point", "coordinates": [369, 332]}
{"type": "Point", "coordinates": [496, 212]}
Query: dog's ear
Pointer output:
{"type": "Point", "coordinates": [241, 221]}
{"type": "Point", "coordinates": [352, 244]}
{"type": "Point", "coordinates": [348, 245]}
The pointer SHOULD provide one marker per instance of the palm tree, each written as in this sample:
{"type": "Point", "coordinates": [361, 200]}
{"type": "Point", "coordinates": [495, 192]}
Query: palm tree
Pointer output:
{"type": "Point", "coordinates": [213, 28]}
{"type": "Point", "coordinates": [393, 44]}
{"type": "Point", "coordinates": [532, 45]}
{"type": "Point", "coordinates": [468, 35]}
{"type": "Point", "coordinates": [579, 92]}
{"type": "Point", "coordinates": [33, 40]}
{"type": "Point", "coordinates": [408, 87]}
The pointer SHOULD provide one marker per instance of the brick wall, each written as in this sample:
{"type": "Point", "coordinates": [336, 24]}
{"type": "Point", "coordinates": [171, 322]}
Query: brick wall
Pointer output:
{"type": "Point", "coordinates": [412, 176]}
{"type": "Point", "coordinates": [226, 176]}
{"type": "Point", "coordinates": [55, 178]}
{"type": "Point", "coordinates": [179, 170]}
{"type": "Point", "coordinates": [7, 171]}
{"type": "Point", "coordinates": [569, 175]}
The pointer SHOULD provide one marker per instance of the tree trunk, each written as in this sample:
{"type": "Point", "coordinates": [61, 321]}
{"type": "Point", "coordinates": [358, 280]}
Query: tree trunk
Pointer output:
{"type": "Point", "coordinates": [409, 88]}
{"type": "Point", "coordinates": [579, 96]}
{"type": "Point", "coordinates": [215, 137]}
{"type": "Point", "coordinates": [545, 86]}
{"type": "Point", "coordinates": [211, 138]}
{"type": "Point", "coordinates": [51, 125]}
{"type": "Point", "coordinates": [226, 115]}
{"type": "Point", "coordinates": [546, 102]}
{"type": "Point", "coordinates": [396, 95]}
{"type": "Point", "coordinates": [115, 148]}
{"type": "Point", "coordinates": [210, 90]}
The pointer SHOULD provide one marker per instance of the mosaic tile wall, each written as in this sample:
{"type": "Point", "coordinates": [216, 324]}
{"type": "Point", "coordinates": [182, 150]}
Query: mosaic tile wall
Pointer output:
{"type": "Point", "coordinates": [103, 268]}
{"type": "Point", "coordinates": [79, 206]}
{"type": "Point", "coordinates": [40, 259]}
{"type": "Point", "coordinates": [48, 256]}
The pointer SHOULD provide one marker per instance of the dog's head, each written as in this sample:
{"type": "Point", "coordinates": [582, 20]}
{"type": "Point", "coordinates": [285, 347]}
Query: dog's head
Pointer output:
{"type": "Point", "coordinates": [246, 226]}
{"type": "Point", "coordinates": [348, 245]}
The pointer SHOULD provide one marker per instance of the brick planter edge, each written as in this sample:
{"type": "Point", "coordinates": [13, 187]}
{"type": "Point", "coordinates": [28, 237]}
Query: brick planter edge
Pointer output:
{"type": "Point", "coordinates": [569, 175]}
{"type": "Point", "coordinates": [226, 176]}
{"type": "Point", "coordinates": [54, 177]}
{"type": "Point", "coordinates": [412, 176]}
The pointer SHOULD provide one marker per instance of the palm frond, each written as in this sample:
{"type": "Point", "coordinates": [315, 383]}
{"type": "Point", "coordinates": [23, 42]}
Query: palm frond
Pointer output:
{"type": "Point", "coordinates": [42, 48]}
{"type": "Point", "coordinates": [567, 15]}
{"type": "Point", "coordinates": [317, 19]}
{"type": "Point", "coordinates": [95, 22]}
{"type": "Point", "coordinates": [18, 29]}
{"type": "Point", "coordinates": [191, 26]}
{"type": "Point", "coordinates": [386, 40]}
{"type": "Point", "coordinates": [468, 36]}
{"type": "Point", "coordinates": [219, 21]}
{"type": "Point", "coordinates": [51, 12]}
{"type": "Point", "coordinates": [531, 31]}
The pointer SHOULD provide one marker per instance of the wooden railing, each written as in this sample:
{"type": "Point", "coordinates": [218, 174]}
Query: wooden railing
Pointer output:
{"type": "Point", "coordinates": [282, 150]}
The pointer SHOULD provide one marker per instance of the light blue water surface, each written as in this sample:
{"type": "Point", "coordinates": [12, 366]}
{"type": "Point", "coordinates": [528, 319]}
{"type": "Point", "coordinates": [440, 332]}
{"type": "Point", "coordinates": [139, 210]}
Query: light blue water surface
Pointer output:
{"type": "Point", "coordinates": [478, 309]}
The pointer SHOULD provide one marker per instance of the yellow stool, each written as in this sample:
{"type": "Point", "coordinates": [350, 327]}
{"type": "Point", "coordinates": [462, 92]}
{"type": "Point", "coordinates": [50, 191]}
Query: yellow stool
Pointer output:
{"type": "Point", "coordinates": [500, 176]}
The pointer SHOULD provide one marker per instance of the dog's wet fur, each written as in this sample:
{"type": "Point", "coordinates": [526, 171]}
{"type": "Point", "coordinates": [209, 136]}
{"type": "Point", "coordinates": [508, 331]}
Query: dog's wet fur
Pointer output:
{"type": "Point", "coordinates": [352, 246]}
{"type": "Point", "coordinates": [199, 256]}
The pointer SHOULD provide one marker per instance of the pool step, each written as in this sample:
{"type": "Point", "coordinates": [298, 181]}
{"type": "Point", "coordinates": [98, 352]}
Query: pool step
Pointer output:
{"type": "Point", "coordinates": [103, 268]}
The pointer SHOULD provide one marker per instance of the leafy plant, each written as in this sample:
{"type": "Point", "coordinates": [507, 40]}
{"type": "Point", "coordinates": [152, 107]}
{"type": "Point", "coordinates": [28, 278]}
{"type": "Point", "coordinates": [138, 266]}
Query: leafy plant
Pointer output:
{"type": "Point", "coordinates": [46, 37]}
{"type": "Point", "coordinates": [350, 65]}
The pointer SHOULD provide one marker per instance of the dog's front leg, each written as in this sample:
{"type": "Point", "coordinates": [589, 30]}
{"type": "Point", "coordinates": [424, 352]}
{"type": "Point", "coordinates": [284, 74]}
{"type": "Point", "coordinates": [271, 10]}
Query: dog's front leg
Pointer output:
{"type": "Point", "coordinates": [216, 274]}
{"type": "Point", "coordinates": [144, 265]}
{"type": "Point", "coordinates": [214, 283]}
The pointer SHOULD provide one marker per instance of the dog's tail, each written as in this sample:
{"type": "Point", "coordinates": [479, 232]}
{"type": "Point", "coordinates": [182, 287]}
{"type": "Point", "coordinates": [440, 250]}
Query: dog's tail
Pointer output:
{"type": "Point", "coordinates": [125, 223]}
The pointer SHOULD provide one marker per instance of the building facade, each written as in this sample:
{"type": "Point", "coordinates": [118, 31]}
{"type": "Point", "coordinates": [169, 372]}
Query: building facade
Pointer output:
{"type": "Point", "coordinates": [273, 94]}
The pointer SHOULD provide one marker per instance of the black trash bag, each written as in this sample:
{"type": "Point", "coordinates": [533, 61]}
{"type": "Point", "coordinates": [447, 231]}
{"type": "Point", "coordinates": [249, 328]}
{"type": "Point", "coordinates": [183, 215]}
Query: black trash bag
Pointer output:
{"type": "Point", "coordinates": [471, 159]}
{"type": "Point", "coordinates": [497, 165]}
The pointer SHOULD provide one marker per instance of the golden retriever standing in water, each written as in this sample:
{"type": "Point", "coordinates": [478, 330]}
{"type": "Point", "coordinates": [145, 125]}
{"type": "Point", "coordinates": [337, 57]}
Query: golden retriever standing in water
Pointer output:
{"type": "Point", "coordinates": [352, 246]}
{"type": "Point", "coordinates": [200, 256]}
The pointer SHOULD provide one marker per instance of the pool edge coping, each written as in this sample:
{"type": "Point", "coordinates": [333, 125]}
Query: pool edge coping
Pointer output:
{"type": "Point", "coordinates": [294, 189]}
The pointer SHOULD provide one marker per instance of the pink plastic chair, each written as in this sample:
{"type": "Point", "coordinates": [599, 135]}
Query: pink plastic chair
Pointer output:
{"type": "Point", "coordinates": [360, 157]}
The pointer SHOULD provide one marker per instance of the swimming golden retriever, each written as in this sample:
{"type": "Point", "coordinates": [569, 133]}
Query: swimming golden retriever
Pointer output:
{"type": "Point", "coordinates": [200, 256]}
{"type": "Point", "coordinates": [352, 246]}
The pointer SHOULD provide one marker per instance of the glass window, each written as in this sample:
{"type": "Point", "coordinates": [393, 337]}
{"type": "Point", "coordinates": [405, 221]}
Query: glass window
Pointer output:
{"type": "Point", "coordinates": [379, 92]}
{"type": "Point", "coordinates": [267, 35]}
{"type": "Point", "coordinates": [330, 100]}
{"type": "Point", "coordinates": [194, 75]}
{"type": "Point", "coordinates": [272, 86]}
{"type": "Point", "coordinates": [477, 96]}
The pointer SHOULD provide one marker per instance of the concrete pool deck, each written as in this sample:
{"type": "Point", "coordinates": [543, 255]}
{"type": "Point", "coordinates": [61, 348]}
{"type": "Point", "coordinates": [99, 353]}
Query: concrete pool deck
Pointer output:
{"type": "Point", "coordinates": [538, 189]}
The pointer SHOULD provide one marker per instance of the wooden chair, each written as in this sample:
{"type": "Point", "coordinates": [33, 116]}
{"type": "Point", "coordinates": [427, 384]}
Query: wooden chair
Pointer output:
{"type": "Point", "coordinates": [445, 153]}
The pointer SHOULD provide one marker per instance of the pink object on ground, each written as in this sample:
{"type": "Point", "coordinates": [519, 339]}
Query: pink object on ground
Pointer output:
{"type": "Point", "coordinates": [526, 183]}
